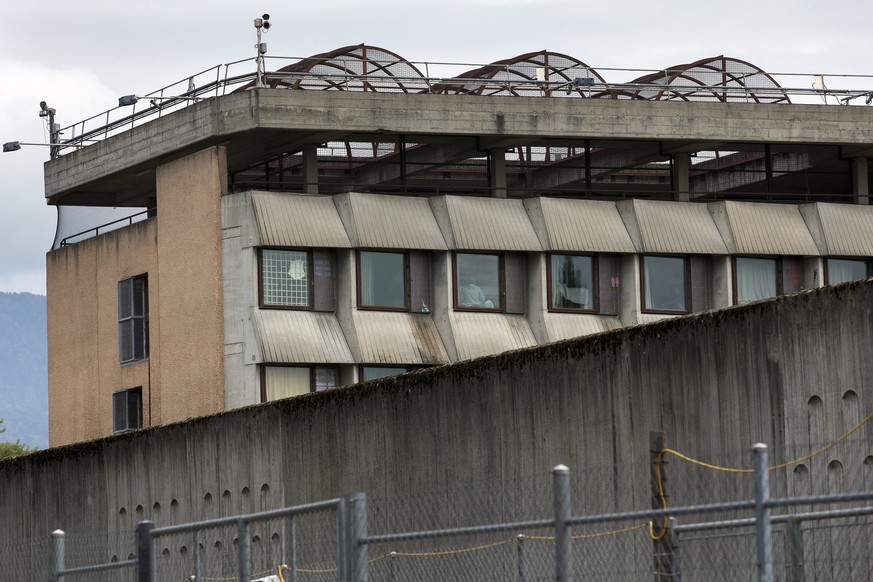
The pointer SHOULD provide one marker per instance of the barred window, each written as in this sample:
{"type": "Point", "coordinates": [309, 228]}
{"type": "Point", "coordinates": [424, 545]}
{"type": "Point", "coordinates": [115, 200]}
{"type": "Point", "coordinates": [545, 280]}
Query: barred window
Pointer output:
{"type": "Point", "coordinates": [285, 280]}
{"type": "Point", "coordinates": [133, 309]}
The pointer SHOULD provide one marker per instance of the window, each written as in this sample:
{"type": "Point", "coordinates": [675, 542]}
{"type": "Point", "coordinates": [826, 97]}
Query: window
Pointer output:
{"type": "Point", "coordinates": [382, 280]}
{"type": "Point", "coordinates": [572, 283]}
{"type": "Point", "coordinates": [664, 288]}
{"type": "Point", "coordinates": [373, 372]}
{"type": "Point", "coordinates": [478, 281]}
{"type": "Point", "coordinates": [843, 270]}
{"type": "Point", "coordinates": [133, 310]}
{"type": "Point", "coordinates": [285, 381]}
{"type": "Point", "coordinates": [755, 279]}
{"type": "Point", "coordinates": [127, 410]}
{"type": "Point", "coordinates": [285, 280]}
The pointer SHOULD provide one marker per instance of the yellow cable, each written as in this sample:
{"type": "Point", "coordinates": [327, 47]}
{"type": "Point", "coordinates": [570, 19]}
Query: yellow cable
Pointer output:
{"type": "Point", "coordinates": [785, 465]}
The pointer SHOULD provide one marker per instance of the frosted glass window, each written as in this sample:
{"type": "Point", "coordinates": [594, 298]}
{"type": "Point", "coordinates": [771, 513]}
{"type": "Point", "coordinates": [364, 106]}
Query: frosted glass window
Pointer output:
{"type": "Point", "coordinates": [285, 278]}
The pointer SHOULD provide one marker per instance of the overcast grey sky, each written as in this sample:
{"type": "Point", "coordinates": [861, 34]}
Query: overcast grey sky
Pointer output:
{"type": "Point", "coordinates": [80, 55]}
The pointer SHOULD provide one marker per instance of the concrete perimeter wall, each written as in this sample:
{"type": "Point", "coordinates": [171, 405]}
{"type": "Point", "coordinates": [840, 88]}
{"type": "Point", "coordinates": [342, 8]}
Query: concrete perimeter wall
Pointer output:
{"type": "Point", "coordinates": [788, 372]}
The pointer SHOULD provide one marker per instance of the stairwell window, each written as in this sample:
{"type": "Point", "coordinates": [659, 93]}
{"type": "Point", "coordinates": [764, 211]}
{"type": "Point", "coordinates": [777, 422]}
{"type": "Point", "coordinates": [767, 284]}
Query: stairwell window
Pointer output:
{"type": "Point", "coordinates": [285, 278]}
{"type": "Point", "coordinates": [127, 410]}
{"type": "Point", "coordinates": [133, 316]}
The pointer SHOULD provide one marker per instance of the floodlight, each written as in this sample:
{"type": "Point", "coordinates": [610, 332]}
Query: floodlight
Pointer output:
{"type": "Point", "coordinates": [12, 146]}
{"type": "Point", "coordinates": [583, 81]}
{"type": "Point", "coordinates": [127, 100]}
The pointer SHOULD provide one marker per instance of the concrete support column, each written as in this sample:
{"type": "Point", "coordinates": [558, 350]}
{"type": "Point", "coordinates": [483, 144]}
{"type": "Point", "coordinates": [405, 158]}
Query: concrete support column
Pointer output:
{"type": "Point", "coordinates": [310, 168]}
{"type": "Point", "coordinates": [537, 307]}
{"type": "Point", "coordinates": [629, 297]}
{"type": "Point", "coordinates": [722, 282]}
{"type": "Point", "coordinates": [860, 181]}
{"type": "Point", "coordinates": [497, 172]}
{"type": "Point", "coordinates": [681, 177]}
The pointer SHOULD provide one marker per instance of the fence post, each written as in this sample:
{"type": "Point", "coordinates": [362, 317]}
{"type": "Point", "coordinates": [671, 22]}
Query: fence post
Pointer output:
{"type": "Point", "coordinates": [795, 550]}
{"type": "Point", "coordinates": [662, 552]}
{"type": "Point", "coordinates": [244, 551]}
{"type": "Point", "coordinates": [563, 532]}
{"type": "Point", "coordinates": [521, 564]}
{"type": "Point", "coordinates": [291, 547]}
{"type": "Point", "coordinates": [58, 550]}
{"type": "Point", "coordinates": [676, 548]}
{"type": "Point", "coordinates": [762, 513]}
{"type": "Point", "coordinates": [357, 532]}
{"type": "Point", "coordinates": [146, 561]}
{"type": "Point", "coordinates": [392, 563]}
{"type": "Point", "coordinates": [197, 565]}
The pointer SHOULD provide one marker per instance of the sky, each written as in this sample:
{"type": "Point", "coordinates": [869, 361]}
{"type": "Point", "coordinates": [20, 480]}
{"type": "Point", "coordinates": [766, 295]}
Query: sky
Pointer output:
{"type": "Point", "coordinates": [81, 55]}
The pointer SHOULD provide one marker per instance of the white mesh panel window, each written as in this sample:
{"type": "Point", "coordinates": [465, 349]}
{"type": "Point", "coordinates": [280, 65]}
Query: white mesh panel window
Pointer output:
{"type": "Point", "coordinates": [285, 278]}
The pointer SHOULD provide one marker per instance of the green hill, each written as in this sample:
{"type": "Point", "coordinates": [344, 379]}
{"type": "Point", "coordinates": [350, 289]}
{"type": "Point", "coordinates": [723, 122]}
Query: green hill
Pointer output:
{"type": "Point", "coordinates": [23, 368]}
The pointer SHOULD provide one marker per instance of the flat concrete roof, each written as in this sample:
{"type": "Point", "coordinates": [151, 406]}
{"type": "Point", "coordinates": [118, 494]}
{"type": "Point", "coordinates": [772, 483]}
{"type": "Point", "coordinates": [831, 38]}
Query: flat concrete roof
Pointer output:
{"type": "Point", "coordinates": [258, 124]}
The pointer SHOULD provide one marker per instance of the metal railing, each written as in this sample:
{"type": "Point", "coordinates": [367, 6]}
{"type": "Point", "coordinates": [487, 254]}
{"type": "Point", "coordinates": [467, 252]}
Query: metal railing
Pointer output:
{"type": "Point", "coordinates": [227, 77]}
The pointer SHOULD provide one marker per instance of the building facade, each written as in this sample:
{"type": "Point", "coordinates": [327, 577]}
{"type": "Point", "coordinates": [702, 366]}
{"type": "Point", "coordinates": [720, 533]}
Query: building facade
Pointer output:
{"type": "Point", "coordinates": [298, 240]}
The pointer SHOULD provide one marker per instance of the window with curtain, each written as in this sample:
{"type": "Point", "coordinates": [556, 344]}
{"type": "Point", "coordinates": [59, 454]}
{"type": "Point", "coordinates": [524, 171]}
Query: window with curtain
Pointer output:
{"type": "Point", "coordinates": [285, 278]}
{"type": "Point", "coordinates": [755, 279]}
{"type": "Point", "coordinates": [478, 281]}
{"type": "Point", "coordinates": [382, 279]}
{"type": "Point", "coordinates": [664, 284]}
{"type": "Point", "coordinates": [843, 270]}
{"type": "Point", "coordinates": [571, 282]}
{"type": "Point", "coordinates": [286, 381]}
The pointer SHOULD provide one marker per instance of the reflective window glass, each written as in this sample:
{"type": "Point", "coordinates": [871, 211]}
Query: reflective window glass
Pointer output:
{"type": "Point", "coordinates": [383, 279]}
{"type": "Point", "coordinates": [755, 278]}
{"type": "Point", "coordinates": [478, 282]}
{"type": "Point", "coordinates": [664, 283]}
{"type": "Point", "coordinates": [572, 284]}
{"type": "Point", "coordinates": [843, 270]}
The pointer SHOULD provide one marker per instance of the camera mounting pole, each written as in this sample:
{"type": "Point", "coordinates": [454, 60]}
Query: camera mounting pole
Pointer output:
{"type": "Point", "coordinates": [262, 23]}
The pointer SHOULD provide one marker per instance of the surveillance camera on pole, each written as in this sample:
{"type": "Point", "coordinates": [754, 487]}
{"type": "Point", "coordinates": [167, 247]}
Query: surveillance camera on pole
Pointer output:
{"type": "Point", "coordinates": [261, 24]}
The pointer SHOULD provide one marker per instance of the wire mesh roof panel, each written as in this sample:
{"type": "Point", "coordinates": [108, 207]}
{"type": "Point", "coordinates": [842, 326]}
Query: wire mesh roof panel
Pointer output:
{"type": "Point", "coordinates": [531, 74]}
{"type": "Point", "coordinates": [718, 78]}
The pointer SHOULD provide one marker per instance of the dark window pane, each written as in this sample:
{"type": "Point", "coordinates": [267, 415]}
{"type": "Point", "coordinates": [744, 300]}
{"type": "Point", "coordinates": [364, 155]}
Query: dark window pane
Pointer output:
{"type": "Point", "coordinates": [756, 279]}
{"type": "Point", "coordinates": [125, 298]}
{"type": "Point", "coordinates": [134, 409]}
{"type": "Point", "coordinates": [285, 278]}
{"type": "Point", "coordinates": [127, 409]}
{"type": "Point", "coordinates": [572, 282]}
{"type": "Point", "coordinates": [383, 279]}
{"type": "Point", "coordinates": [125, 340]}
{"type": "Point", "coordinates": [119, 410]}
{"type": "Point", "coordinates": [373, 372]}
{"type": "Point", "coordinates": [478, 284]}
{"type": "Point", "coordinates": [326, 377]}
{"type": "Point", "coordinates": [664, 283]}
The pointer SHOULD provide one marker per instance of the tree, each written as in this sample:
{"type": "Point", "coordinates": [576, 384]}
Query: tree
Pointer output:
{"type": "Point", "coordinates": [13, 449]}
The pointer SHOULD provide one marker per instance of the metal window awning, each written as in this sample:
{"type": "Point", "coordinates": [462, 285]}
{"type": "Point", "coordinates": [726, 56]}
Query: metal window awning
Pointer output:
{"type": "Point", "coordinates": [565, 224]}
{"type": "Point", "coordinates": [671, 227]}
{"type": "Point", "coordinates": [397, 338]}
{"type": "Point", "coordinates": [757, 228]}
{"type": "Point", "coordinates": [300, 337]}
{"type": "Point", "coordinates": [293, 220]}
{"type": "Point", "coordinates": [392, 222]}
{"type": "Point", "coordinates": [841, 229]}
{"type": "Point", "coordinates": [485, 224]}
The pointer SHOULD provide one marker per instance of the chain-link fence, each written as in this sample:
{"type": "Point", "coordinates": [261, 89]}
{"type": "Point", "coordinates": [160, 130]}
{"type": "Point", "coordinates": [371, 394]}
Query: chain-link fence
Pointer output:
{"type": "Point", "coordinates": [526, 528]}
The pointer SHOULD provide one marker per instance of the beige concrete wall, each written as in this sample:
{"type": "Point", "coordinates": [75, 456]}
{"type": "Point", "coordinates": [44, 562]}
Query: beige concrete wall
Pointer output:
{"type": "Point", "coordinates": [82, 303]}
{"type": "Point", "coordinates": [191, 312]}
{"type": "Point", "coordinates": [180, 252]}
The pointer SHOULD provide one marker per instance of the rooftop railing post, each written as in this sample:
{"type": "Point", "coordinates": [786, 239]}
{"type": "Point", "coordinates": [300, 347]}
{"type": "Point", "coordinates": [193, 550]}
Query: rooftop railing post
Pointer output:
{"type": "Point", "coordinates": [762, 514]}
{"type": "Point", "coordinates": [676, 548]}
{"type": "Point", "coordinates": [58, 550]}
{"type": "Point", "coordinates": [291, 547]}
{"type": "Point", "coordinates": [563, 532]}
{"type": "Point", "coordinates": [146, 560]}
{"type": "Point", "coordinates": [197, 565]}
{"type": "Point", "coordinates": [357, 532]}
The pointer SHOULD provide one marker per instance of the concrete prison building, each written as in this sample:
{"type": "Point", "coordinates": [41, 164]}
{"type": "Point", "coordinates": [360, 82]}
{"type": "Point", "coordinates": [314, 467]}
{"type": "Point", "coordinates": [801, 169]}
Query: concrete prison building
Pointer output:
{"type": "Point", "coordinates": [348, 217]}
